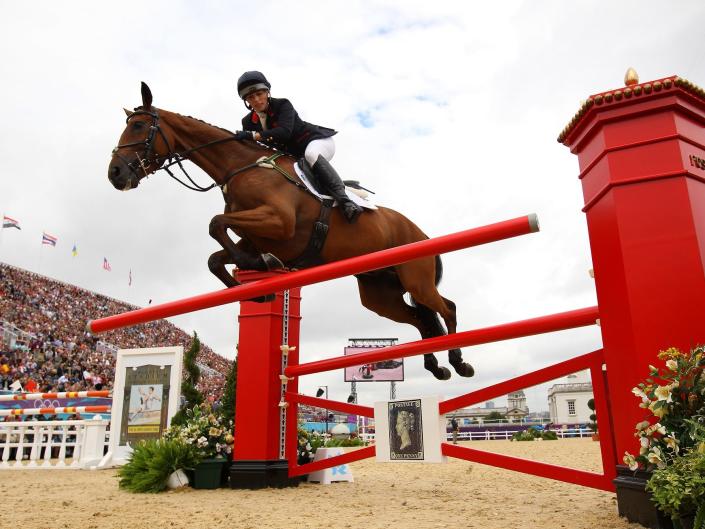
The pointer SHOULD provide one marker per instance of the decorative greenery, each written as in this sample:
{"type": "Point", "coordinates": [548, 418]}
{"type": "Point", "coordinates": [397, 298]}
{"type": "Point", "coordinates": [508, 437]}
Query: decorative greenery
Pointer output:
{"type": "Point", "coordinates": [309, 442]}
{"type": "Point", "coordinates": [227, 404]}
{"type": "Point", "coordinates": [675, 399]}
{"type": "Point", "coordinates": [352, 441]}
{"type": "Point", "coordinates": [593, 416]}
{"type": "Point", "coordinates": [152, 462]}
{"type": "Point", "coordinates": [211, 436]}
{"type": "Point", "coordinates": [188, 386]}
{"type": "Point", "coordinates": [531, 434]}
{"type": "Point", "coordinates": [679, 489]}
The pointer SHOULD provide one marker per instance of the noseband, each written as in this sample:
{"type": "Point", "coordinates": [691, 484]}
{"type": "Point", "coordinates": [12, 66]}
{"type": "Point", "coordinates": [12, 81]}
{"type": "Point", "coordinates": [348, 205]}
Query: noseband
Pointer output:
{"type": "Point", "coordinates": [142, 162]}
{"type": "Point", "coordinates": [149, 156]}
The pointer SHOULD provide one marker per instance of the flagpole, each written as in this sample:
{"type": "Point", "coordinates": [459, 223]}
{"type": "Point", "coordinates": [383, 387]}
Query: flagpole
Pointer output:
{"type": "Point", "coordinates": [41, 248]}
{"type": "Point", "coordinates": [2, 232]}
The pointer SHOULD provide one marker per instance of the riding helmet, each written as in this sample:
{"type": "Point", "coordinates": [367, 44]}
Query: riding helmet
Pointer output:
{"type": "Point", "coordinates": [251, 82]}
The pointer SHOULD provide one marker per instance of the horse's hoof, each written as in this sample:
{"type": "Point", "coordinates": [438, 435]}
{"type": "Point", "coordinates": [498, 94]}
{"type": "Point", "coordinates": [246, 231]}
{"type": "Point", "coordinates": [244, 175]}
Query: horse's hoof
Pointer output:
{"type": "Point", "coordinates": [263, 299]}
{"type": "Point", "coordinates": [464, 369]}
{"type": "Point", "coordinates": [271, 262]}
{"type": "Point", "coordinates": [441, 373]}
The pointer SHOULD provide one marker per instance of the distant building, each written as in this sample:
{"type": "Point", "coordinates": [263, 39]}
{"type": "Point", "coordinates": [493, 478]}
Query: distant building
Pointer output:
{"type": "Point", "coordinates": [567, 400]}
{"type": "Point", "coordinates": [515, 410]}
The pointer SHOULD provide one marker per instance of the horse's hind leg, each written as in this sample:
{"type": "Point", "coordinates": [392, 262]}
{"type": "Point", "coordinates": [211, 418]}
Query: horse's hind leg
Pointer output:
{"type": "Point", "coordinates": [455, 356]}
{"type": "Point", "coordinates": [418, 278]}
{"type": "Point", "coordinates": [383, 294]}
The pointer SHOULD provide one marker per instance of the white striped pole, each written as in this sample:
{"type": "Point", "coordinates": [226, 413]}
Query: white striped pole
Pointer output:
{"type": "Point", "coordinates": [54, 411]}
{"type": "Point", "coordinates": [60, 395]}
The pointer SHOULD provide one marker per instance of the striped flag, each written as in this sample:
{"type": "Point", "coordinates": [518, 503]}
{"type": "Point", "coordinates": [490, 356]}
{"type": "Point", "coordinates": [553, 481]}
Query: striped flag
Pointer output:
{"type": "Point", "coordinates": [9, 222]}
{"type": "Point", "coordinates": [48, 239]}
{"type": "Point", "coordinates": [106, 264]}
{"type": "Point", "coordinates": [74, 250]}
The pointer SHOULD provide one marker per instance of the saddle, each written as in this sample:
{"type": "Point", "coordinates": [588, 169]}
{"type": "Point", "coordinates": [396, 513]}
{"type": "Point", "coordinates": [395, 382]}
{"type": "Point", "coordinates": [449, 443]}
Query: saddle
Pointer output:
{"type": "Point", "coordinates": [311, 181]}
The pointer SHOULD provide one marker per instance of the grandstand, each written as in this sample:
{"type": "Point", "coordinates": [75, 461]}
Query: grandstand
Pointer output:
{"type": "Point", "coordinates": [45, 347]}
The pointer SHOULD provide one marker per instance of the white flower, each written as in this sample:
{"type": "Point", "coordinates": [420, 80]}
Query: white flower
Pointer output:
{"type": "Point", "coordinates": [672, 443]}
{"type": "Point", "coordinates": [202, 441]}
{"type": "Point", "coordinates": [654, 458]}
{"type": "Point", "coordinates": [643, 425]}
{"type": "Point", "coordinates": [672, 364]}
{"type": "Point", "coordinates": [664, 393]}
{"type": "Point", "coordinates": [644, 441]}
{"type": "Point", "coordinates": [639, 393]}
{"type": "Point", "coordinates": [630, 461]}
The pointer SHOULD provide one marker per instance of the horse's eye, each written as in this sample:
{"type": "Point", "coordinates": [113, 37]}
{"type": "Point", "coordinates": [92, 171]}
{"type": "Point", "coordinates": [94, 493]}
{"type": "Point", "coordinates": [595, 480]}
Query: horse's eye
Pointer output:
{"type": "Point", "coordinates": [137, 125]}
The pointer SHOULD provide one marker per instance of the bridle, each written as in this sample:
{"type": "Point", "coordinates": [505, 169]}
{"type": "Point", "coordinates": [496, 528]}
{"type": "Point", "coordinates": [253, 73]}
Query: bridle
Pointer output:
{"type": "Point", "coordinates": [149, 156]}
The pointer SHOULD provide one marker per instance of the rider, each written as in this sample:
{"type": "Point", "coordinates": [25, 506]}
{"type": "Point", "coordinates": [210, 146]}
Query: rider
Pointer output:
{"type": "Point", "coordinates": [275, 122]}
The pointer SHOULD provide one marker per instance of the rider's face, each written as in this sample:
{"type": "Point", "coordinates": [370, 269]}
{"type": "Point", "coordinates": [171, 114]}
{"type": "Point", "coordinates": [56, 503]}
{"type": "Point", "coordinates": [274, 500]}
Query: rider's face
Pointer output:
{"type": "Point", "coordinates": [258, 100]}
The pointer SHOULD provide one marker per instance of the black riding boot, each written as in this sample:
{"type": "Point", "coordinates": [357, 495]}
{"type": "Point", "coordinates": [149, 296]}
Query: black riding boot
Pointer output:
{"type": "Point", "coordinates": [330, 180]}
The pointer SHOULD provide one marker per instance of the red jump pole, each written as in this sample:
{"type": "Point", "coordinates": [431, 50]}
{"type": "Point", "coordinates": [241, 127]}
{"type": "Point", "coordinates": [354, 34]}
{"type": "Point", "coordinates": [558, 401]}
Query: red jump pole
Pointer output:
{"type": "Point", "coordinates": [507, 331]}
{"type": "Point", "coordinates": [641, 152]}
{"type": "Point", "coordinates": [326, 272]}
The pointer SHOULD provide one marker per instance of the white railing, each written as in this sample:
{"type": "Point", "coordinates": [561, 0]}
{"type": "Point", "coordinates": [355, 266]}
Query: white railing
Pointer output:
{"type": "Point", "coordinates": [489, 435]}
{"type": "Point", "coordinates": [53, 444]}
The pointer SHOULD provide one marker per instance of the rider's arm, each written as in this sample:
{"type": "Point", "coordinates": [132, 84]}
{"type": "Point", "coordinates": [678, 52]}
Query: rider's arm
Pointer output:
{"type": "Point", "coordinates": [286, 116]}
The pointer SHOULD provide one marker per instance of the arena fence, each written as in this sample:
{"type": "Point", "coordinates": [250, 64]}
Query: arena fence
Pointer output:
{"type": "Point", "coordinates": [53, 444]}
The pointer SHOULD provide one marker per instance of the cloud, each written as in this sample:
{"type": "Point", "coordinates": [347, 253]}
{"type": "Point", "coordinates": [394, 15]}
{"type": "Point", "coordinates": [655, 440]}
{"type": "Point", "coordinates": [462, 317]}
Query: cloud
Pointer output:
{"type": "Point", "coordinates": [448, 111]}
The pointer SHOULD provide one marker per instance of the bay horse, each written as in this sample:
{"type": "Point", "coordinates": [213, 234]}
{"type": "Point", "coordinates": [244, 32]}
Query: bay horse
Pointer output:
{"type": "Point", "coordinates": [274, 217]}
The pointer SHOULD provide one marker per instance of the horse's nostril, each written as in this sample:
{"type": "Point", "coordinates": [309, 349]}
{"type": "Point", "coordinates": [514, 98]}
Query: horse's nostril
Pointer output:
{"type": "Point", "coordinates": [114, 171]}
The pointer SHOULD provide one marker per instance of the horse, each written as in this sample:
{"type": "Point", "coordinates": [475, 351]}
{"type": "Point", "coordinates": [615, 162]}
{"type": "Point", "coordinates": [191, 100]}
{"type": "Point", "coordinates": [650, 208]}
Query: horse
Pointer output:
{"type": "Point", "coordinates": [274, 217]}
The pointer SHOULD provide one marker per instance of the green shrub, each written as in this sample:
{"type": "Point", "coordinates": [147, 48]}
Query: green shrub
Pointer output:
{"type": "Point", "coordinates": [679, 489]}
{"type": "Point", "coordinates": [548, 435]}
{"type": "Point", "coordinates": [151, 463]}
{"type": "Point", "coordinates": [345, 442]}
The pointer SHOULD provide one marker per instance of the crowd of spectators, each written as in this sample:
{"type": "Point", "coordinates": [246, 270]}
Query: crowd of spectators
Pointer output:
{"type": "Point", "coordinates": [52, 351]}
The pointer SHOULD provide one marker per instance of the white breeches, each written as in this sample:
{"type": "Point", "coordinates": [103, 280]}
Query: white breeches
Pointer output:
{"type": "Point", "coordinates": [324, 147]}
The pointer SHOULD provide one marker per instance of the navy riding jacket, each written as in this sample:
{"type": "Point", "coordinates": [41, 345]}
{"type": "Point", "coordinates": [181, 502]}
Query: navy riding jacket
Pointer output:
{"type": "Point", "coordinates": [286, 131]}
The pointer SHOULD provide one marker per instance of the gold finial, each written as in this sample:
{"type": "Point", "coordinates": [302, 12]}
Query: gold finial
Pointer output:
{"type": "Point", "coordinates": [631, 77]}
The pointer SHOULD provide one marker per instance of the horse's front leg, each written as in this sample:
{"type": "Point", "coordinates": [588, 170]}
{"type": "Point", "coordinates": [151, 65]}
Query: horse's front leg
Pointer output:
{"type": "Point", "coordinates": [264, 221]}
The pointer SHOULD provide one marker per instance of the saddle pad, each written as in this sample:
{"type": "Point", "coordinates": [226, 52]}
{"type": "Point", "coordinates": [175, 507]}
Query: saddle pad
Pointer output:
{"type": "Point", "coordinates": [357, 199]}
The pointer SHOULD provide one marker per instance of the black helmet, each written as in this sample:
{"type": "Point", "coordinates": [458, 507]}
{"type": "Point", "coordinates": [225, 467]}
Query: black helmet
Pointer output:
{"type": "Point", "coordinates": [251, 82]}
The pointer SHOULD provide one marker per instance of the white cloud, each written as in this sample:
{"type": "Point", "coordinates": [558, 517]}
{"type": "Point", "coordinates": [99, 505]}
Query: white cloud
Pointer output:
{"type": "Point", "coordinates": [465, 103]}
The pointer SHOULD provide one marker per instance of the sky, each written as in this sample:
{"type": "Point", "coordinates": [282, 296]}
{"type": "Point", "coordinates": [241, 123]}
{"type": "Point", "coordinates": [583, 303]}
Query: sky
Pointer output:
{"type": "Point", "coordinates": [448, 111]}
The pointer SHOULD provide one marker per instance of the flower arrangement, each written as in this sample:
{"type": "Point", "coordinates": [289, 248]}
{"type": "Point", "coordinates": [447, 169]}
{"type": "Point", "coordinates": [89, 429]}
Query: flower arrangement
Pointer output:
{"type": "Point", "coordinates": [675, 399]}
{"type": "Point", "coordinates": [206, 431]}
{"type": "Point", "coordinates": [308, 443]}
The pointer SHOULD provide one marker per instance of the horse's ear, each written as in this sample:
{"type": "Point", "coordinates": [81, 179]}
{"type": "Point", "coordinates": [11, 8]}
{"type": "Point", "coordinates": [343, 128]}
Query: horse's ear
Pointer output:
{"type": "Point", "coordinates": [146, 96]}
{"type": "Point", "coordinates": [128, 113]}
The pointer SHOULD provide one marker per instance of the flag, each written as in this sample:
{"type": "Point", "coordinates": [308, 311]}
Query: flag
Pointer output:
{"type": "Point", "coordinates": [48, 239]}
{"type": "Point", "coordinates": [74, 250]}
{"type": "Point", "coordinates": [8, 222]}
{"type": "Point", "coordinates": [129, 281]}
{"type": "Point", "coordinates": [106, 264]}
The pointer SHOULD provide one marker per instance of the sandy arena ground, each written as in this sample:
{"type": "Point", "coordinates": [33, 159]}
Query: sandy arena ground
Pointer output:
{"type": "Point", "coordinates": [415, 496]}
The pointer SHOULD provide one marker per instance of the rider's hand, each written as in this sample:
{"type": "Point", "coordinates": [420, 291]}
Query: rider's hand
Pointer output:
{"type": "Point", "coordinates": [245, 135]}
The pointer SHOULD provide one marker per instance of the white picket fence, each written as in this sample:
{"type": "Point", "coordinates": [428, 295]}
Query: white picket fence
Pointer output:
{"type": "Point", "coordinates": [489, 435]}
{"type": "Point", "coordinates": [53, 444]}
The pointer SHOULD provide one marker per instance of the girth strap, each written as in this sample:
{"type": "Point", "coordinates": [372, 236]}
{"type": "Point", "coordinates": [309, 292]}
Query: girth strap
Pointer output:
{"type": "Point", "coordinates": [312, 253]}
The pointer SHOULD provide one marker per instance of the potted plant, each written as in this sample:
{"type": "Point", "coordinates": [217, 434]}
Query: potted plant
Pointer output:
{"type": "Point", "coordinates": [593, 420]}
{"type": "Point", "coordinates": [679, 489]}
{"type": "Point", "coordinates": [212, 438]}
{"type": "Point", "coordinates": [152, 462]}
{"type": "Point", "coordinates": [672, 435]}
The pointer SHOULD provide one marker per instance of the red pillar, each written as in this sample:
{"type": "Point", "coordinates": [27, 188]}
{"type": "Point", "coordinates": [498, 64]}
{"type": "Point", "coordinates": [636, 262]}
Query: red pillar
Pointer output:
{"type": "Point", "coordinates": [644, 187]}
{"type": "Point", "coordinates": [258, 460]}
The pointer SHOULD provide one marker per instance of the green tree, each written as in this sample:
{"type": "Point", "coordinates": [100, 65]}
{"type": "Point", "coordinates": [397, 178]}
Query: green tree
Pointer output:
{"type": "Point", "coordinates": [188, 386]}
{"type": "Point", "coordinates": [593, 416]}
{"type": "Point", "coordinates": [227, 405]}
{"type": "Point", "coordinates": [494, 416]}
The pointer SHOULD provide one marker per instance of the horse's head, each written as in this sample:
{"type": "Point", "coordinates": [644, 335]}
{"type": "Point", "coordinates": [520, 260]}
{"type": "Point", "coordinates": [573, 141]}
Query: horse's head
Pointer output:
{"type": "Point", "coordinates": [142, 148]}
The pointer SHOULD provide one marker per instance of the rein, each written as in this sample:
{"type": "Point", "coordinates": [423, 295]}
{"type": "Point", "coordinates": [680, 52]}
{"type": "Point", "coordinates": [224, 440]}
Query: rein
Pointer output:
{"type": "Point", "coordinates": [176, 158]}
